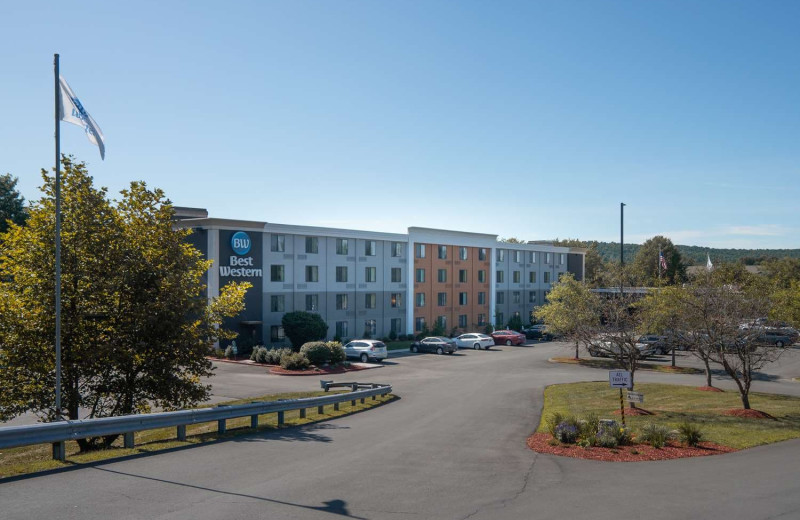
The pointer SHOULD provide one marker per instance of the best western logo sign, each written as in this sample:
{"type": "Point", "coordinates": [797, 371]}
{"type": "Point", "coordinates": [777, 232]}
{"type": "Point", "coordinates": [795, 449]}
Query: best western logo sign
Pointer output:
{"type": "Point", "coordinates": [240, 267]}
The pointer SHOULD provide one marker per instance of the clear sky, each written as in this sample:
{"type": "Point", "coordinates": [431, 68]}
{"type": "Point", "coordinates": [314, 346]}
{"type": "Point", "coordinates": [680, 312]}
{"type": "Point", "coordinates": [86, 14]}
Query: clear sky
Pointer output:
{"type": "Point", "coordinates": [527, 119]}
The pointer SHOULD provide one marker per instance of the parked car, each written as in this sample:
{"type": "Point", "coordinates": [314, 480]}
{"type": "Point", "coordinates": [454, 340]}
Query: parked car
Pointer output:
{"type": "Point", "coordinates": [537, 332]}
{"type": "Point", "coordinates": [610, 348]}
{"type": "Point", "coordinates": [475, 341]}
{"type": "Point", "coordinates": [366, 349]}
{"type": "Point", "coordinates": [436, 344]}
{"type": "Point", "coordinates": [659, 343]}
{"type": "Point", "coordinates": [508, 337]}
{"type": "Point", "coordinates": [775, 338]}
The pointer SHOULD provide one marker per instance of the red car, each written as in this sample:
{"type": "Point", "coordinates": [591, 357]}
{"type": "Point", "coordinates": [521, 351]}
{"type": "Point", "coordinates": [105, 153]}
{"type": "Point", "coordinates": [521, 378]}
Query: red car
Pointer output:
{"type": "Point", "coordinates": [507, 337]}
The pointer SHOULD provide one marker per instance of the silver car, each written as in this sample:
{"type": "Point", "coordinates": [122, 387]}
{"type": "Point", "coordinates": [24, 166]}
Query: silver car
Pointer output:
{"type": "Point", "coordinates": [366, 349]}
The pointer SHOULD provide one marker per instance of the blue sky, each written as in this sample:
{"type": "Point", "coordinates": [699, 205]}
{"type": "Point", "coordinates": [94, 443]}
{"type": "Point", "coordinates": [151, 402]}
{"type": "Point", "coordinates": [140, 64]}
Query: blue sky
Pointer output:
{"type": "Point", "coordinates": [527, 119]}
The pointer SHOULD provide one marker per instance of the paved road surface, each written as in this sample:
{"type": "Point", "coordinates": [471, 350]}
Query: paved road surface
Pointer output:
{"type": "Point", "coordinates": [453, 447]}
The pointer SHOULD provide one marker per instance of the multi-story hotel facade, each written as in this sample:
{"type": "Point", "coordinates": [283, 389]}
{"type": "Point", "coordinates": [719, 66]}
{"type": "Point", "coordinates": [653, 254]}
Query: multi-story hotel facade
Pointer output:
{"type": "Point", "coordinates": [370, 283]}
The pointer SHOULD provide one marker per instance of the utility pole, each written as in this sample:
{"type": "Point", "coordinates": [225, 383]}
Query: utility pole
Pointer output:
{"type": "Point", "coordinates": [621, 249]}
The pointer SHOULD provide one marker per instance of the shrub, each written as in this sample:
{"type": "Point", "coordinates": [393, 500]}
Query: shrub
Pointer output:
{"type": "Point", "coordinates": [230, 353]}
{"type": "Point", "coordinates": [294, 361]}
{"type": "Point", "coordinates": [385, 339]}
{"type": "Point", "coordinates": [245, 345]}
{"type": "Point", "coordinates": [273, 356]}
{"type": "Point", "coordinates": [488, 329]}
{"type": "Point", "coordinates": [606, 441]}
{"type": "Point", "coordinates": [691, 434]}
{"type": "Point", "coordinates": [261, 355]}
{"type": "Point", "coordinates": [438, 329]}
{"type": "Point", "coordinates": [553, 421]}
{"type": "Point", "coordinates": [655, 434]}
{"type": "Point", "coordinates": [337, 338]}
{"type": "Point", "coordinates": [218, 353]}
{"type": "Point", "coordinates": [567, 432]}
{"type": "Point", "coordinates": [301, 327]}
{"type": "Point", "coordinates": [515, 323]}
{"type": "Point", "coordinates": [589, 426]}
{"type": "Point", "coordinates": [392, 335]}
{"type": "Point", "coordinates": [317, 352]}
{"type": "Point", "coordinates": [336, 352]}
{"type": "Point", "coordinates": [611, 435]}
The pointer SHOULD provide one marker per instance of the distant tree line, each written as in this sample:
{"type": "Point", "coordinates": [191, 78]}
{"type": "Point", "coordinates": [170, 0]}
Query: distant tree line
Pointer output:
{"type": "Point", "coordinates": [696, 255]}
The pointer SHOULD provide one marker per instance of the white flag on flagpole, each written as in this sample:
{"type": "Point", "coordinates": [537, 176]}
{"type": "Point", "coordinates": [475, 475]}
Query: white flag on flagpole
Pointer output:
{"type": "Point", "coordinates": [72, 111]}
{"type": "Point", "coordinates": [709, 265]}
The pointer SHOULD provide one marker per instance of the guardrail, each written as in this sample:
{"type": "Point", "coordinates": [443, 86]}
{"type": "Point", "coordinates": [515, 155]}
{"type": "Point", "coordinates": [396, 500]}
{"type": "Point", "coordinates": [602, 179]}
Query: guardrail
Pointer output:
{"type": "Point", "coordinates": [59, 432]}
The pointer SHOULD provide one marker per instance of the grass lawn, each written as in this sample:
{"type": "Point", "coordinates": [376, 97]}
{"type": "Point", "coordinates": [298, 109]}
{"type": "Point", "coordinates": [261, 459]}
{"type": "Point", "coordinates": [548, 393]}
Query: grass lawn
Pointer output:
{"type": "Point", "coordinates": [30, 459]}
{"type": "Point", "coordinates": [674, 404]}
{"type": "Point", "coordinates": [610, 364]}
{"type": "Point", "coordinates": [398, 345]}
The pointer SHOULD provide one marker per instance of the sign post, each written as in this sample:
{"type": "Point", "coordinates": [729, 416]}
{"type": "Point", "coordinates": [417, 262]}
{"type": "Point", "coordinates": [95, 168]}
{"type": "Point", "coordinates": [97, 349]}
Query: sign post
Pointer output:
{"type": "Point", "coordinates": [620, 379]}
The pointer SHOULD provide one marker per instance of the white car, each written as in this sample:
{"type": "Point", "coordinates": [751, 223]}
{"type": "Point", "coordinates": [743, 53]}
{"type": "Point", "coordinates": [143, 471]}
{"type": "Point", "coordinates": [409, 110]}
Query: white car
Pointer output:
{"type": "Point", "coordinates": [474, 341]}
{"type": "Point", "coordinates": [366, 349]}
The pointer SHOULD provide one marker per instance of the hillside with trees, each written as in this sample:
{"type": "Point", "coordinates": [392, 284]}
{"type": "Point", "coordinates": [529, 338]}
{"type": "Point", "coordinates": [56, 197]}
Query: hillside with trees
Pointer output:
{"type": "Point", "coordinates": [696, 255]}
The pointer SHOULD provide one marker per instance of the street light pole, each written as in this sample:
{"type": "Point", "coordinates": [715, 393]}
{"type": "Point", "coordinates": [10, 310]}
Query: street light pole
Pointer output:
{"type": "Point", "coordinates": [621, 249]}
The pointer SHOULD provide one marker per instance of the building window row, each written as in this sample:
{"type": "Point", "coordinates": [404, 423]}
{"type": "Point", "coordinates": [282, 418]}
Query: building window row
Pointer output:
{"type": "Point", "coordinates": [441, 299]}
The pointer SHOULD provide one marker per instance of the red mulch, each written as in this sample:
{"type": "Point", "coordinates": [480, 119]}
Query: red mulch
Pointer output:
{"type": "Point", "coordinates": [750, 414]}
{"type": "Point", "coordinates": [633, 411]}
{"type": "Point", "coordinates": [314, 371]}
{"type": "Point", "coordinates": [708, 389]}
{"type": "Point", "coordinates": [539, 442]}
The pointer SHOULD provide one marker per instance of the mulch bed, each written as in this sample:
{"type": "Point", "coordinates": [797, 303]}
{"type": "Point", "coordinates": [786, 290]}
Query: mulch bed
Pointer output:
{"type": "Point", "coordinates": [539, 442]}
{"type": "Point", "coordinates": [633, 411]}
{"type": "Point", "coordinates": [708, 389]}
{"type": "Point", "coordinates": [314, 371]}
{"type": "Point", "coordinates": [750, 414]}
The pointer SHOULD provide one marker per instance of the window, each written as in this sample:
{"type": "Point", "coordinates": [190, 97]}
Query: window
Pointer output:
{"type": "Point", "coordinates": [532, 297]}
{"type": "Point", "coordinates": [462, 253]}
{"type": "Point", "coordinates": [276, 333]}
{"type": "Point", "coordinates": [546, 277]}
{"type": "Point", "coordinates": [533, 257]}
{"type": "Point", "coordinates": [420, 276]}
{"type": "Point", "coordinates": [341, 246]}
{"type": "Point", "coordinates": [442, 252]}
{"type": "Point", "coordinates": [462, 276]}
{"type": "Point", "coordinates": [370, 300]}
{"type": "Point", "coordinates": [277, 303]}
{"type": "Point", "coordinates": [481, 276]}
{"type": "Point", "coordinates": [441, 299]}
{"type": "Point", "coordinates": [518, 256]}
{"type": "Point", "coordinates": [341, 329]}
{"type": "Point", "coordinates": [396, 275]}
{"type": "Point", "coordinates": [419, 324]}
{"type": "Point", "coordinates": [397, 249]}
{"type": "Point", "coordinates": [481, 319]}
{"type": "Point", "coordinates": [442, 322]}
{"type": "Point", "coordinates": [501, 298]}
{"type": "Point", "coordinates": [312, 245]}
{"type": "Point", "coordinates": [482, 254]}
{"type": "Point", "coordinates": [341, 302]}
{"type": "Point", "coordinates": [419, 299]}
{"type": "Point", "coordinates": [370, 328]}
{"type": "Point", "coordinates": [462, 298]}
{"type": "Point", "coordinates": [369, 248]}
{"type": "Point", "coordinates": [563, 259]}
{"type": "Point", "coordinates": [516, 276]}
{"type": "Point", "coordinates": [312, 273]}
{"type": "Point", "coordinates": [312, 302]}
{"type": "Point", "coordinates": [395, 324]}
{"type": "Point", "coordinates": [370, 274]}
{"type": "Point", "coordinates": [532, 277]}
{"type": "Point", "coordinates": [515, 297]}
{"type": "Point", "coordinates": [462, 321]}
{"type": "Point", "coordinates": [442, 275]}
{"type": "Point", "coordinates": [501, 276]}
{"type": "Point", "coordinates": [278, 243]}
{"type": "Point", "coordinates": [341, 273]}
{"type": "Point", "coordinates": [397, 300]}
{"type": "Point", "coordinates": [547, 258]}
{"type": "Point", "coordinates": [276, 273]}
{"type": "Point", "coordinates": [481, 298]}
{"type": "Point", "coordinates": [501, 255]}
{"type": "Point", "coordinates": [419, 250]}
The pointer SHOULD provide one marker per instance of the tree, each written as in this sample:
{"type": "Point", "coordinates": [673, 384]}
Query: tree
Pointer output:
{"type": "Point", "coordinates": [786, 304]}
{"type": "Point", "coordinates": [571, 310]}
{"type": "Point", "coordinates": [512, 240]}
{"type": "Point", "coordinates": [12, 204]}
{"type": "Point", "coordinates": [593, 261]}
{"type": "Point", "coordinates": [136, 326]}
{"type": "Point", "coordinates": [515, 323]}
{"type": "Point", "coordinates": [660, 312]}
{"type": "Point", "coordinates": [301, 327]}
{"type": "Point", "coordinates": [781, 272]}
{"type": "Point", "coordinates": [646, 263]}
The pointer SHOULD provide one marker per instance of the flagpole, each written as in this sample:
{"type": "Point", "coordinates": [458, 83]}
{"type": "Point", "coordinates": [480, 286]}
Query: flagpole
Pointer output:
{"type": "Point", "coordinates": [58, 239]}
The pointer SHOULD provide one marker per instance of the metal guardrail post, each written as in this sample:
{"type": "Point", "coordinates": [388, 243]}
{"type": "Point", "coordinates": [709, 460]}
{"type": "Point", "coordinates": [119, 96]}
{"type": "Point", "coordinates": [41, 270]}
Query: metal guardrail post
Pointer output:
{"type": "Point", "coordinates": [280, 418]}
{"type": "Point", "coordinates": [60, 451]}
{"type": "Point", "coordinates": [335, 407]}
{"type": "Point", "coordinates": [321, 410]}
{"type": "Point", "coordinates": [374, 397]}
{"type": "Point", "coordinates": [353, 402]}
{"type": "Point", "coordinates": [254, 421]}
{"type": "Point", "coordinates": [182, 433]}
{"type": "Point", "coordinates": [362, 400]}
{"type": "Point", "coordinates": [221, 427]}
{"type": "Point", "coordinates": [128, 440]}
{"type": "Point", "coordinates": [302, 413]}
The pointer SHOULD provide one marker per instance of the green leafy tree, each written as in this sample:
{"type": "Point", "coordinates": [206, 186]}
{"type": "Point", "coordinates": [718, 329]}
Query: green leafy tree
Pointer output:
{"type": "Point", "coordinates": [302, 327]}
{"type": "Point", "coordinates": [646, 263]}
{"type": "Point", "coordinates": [12, 204]}
{"type": "Point", "coordinates": [781, 272]}
{"type": "Point", "coordinates": [571, 310]}
{"type": "Point", "coordinates": [136, 326]}
{"type": "Point", "coordinates": [786, 304]}
{"type": "Point", "coordinates": [593, 261]}
{"type": "Point", "coordinates": [515, 323]}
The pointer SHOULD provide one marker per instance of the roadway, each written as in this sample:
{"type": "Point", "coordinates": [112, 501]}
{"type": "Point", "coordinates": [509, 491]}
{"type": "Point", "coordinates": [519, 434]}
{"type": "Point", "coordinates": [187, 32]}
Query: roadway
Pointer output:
{"type": "Point", "coordinates": [452, 447]}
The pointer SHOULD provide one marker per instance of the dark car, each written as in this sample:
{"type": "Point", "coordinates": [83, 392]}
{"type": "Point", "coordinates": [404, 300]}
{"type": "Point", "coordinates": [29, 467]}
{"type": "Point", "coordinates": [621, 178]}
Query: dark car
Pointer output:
{"type": "Point", "coordinates": [436, 344]}
{"type": "Point", "coordinates": [537, 332]}
{"type": "Point", "coordinates": [775, 338]}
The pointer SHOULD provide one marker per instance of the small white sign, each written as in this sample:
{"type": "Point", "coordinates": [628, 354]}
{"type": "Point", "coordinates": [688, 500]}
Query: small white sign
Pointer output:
{"type": "Point", "coordinates": [635, 397]}
{"type": "Point", "coordinates": [619, 378]}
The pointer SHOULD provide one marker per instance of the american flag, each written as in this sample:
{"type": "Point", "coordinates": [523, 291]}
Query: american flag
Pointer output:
{"type": "Point", "coordinates": [662, 261]}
